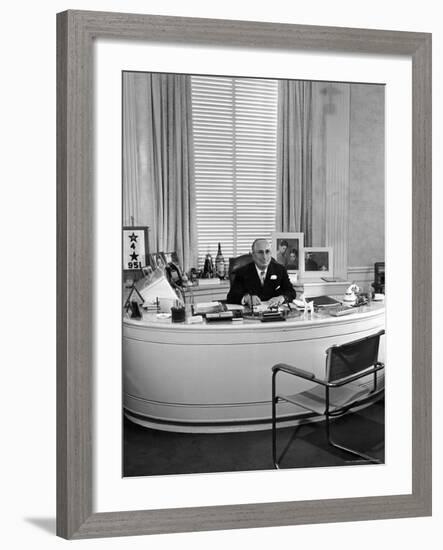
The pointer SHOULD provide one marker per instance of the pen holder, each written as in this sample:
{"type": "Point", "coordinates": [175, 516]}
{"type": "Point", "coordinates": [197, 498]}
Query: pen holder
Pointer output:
{"type": "Point", "coordinates": [135, 311]}
{"type": "Point", "coordinates": [178, 314]}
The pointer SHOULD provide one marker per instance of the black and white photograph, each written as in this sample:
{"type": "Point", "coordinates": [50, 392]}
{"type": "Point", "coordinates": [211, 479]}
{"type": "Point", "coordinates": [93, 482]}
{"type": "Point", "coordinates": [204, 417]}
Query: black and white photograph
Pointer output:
{"type": "Point", "coordinates": [157, 260]}
{"type": "Point", "coordinates": [233, 365]}
{"type": "Point", "coordinates": [171, 258]}
{"type": "Point", "coordinates": [288, 248]}
{"type": "Point", "coordinates": [317, 262]}
{"type": "Point", "coordinates": [140, 401]}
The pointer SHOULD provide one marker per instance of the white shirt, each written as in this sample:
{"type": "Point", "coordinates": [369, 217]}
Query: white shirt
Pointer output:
{"type": "Point", "coordinates": [259, 273]}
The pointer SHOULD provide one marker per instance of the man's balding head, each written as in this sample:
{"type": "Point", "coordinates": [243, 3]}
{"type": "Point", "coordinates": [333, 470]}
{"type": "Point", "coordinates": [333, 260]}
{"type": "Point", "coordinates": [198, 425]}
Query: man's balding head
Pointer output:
{"type": "Point", "coordinates": [261, 253]}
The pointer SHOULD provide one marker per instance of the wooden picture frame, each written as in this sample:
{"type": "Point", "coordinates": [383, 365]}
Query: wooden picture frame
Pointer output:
{"type": "Point", "coordinates": [76, 32]}
{"type": "Point", "coordinates": [306, 271]}
{"type": "Point", "coordinates": [294, 245]}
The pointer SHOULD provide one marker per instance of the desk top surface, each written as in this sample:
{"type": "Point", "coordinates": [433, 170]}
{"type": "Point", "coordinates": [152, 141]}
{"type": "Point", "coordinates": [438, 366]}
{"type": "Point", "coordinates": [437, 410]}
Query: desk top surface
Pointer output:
{"type": "Point", "coordinates": [320, 318]}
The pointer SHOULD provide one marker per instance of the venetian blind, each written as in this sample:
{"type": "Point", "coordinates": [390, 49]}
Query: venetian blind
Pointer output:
{"type": "Point", "coordinates": [235, 144]}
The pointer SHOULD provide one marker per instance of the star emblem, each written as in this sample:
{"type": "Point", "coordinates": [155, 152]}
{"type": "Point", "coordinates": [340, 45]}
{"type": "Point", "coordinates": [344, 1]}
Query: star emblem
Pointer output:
{"type": "Point", "coordinates": [134, 256]}
{"type": "Point", "coordinates": [133, 237]}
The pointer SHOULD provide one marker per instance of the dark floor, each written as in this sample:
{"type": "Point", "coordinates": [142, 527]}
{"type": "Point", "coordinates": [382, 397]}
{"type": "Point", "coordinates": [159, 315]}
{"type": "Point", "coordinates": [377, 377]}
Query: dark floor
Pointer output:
{"type": "Point", "coordinates": [154, 452]}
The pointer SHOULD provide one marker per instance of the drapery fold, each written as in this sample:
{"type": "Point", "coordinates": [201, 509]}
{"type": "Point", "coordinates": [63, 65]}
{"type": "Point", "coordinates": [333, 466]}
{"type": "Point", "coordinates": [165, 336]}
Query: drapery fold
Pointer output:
{"type": "Point", "coordinates": [294, 158]}
{"type": "Point", "coordinates": [158, 161]}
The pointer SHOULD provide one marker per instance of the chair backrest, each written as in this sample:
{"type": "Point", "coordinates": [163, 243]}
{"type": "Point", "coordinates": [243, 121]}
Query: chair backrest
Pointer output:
{"type": "Point", "coordinates": [238, 262]}
{"type": "Point", "coordinates": [352, 357]}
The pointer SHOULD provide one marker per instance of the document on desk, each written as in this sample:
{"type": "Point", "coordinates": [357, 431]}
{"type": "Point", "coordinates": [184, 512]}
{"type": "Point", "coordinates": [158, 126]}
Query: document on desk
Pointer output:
{"type": "Point", "coordinates": [157, 288]}
{"type": "Point", "coordinates": [207, 307]}
{"type": "Point", "coordinates": [261, 307]}
{"type": "Point", "coordinates": [234, 307]}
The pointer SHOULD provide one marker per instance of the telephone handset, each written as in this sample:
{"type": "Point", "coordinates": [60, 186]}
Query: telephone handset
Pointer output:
{"type": "Point", "coordinates": [174, 275]}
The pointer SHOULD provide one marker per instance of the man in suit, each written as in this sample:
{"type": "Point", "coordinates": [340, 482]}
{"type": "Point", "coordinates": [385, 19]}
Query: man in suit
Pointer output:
{"type": "Point", "coordinates": [261, 280]}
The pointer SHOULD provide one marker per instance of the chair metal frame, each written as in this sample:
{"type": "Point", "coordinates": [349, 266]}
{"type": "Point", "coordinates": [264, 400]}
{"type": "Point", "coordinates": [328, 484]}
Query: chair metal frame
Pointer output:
{"type": "Point", "coordinates": [327, 384]}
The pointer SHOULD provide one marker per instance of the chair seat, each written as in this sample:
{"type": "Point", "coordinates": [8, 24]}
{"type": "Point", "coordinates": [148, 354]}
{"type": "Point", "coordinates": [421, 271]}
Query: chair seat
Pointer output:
{"type": "Point", "coordinates": [314, 399]}
{"type": "Point", "coordinates": [356, 361]}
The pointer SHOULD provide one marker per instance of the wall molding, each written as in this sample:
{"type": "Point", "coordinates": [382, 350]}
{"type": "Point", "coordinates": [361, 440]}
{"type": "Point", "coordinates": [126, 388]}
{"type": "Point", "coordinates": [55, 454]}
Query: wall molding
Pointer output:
{"type": "Point", "coordinates": [365, 269]}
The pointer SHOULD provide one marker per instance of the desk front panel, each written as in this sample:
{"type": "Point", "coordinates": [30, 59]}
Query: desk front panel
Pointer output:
{"type": "Point", "coordinates": [217, 377]}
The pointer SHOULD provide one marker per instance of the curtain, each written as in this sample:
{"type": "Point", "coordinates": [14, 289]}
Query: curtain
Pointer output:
{"type": "Point", "coordinates": [294, 158]}
{"type": "Point", "coordinates": [158, 169]}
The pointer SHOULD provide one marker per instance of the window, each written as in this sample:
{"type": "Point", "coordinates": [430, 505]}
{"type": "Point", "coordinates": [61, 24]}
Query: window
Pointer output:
{"type": "Point", "coordinates": [235, 142]}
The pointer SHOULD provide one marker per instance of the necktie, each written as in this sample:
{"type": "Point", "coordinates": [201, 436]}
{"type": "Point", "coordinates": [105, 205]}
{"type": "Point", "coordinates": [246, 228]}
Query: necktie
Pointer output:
{"type": "Point", "coordinates": [262, 276]}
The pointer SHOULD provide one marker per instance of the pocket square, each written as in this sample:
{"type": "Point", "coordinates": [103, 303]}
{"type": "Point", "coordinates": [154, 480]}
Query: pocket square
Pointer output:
{"type": "Point", "coordinates": [273, 277]}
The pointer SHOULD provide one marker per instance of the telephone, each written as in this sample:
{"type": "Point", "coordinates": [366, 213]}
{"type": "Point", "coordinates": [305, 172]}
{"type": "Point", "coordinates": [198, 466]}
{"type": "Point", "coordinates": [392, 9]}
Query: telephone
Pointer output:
{"type": "Point", "coordinates": [174, 275]}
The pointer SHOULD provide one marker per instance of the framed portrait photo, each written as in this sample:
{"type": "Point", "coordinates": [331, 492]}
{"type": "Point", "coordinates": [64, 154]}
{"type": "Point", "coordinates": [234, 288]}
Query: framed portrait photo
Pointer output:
{"type": "Point", "coordinates": [287, 249]}
{"type": "Point", "coordinates": [171, 382]}
{"type": "Point", "coordinates": [157, 260]}
{"type": "Point", "coordinates": [317, 262]}
{"type": "Point", "coordinates": [171, 258]}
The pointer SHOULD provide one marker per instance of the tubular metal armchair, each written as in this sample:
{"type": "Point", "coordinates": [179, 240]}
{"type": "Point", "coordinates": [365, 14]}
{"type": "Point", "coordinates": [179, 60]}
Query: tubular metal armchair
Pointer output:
{"type": "Point", "coordinates": [339, 392]}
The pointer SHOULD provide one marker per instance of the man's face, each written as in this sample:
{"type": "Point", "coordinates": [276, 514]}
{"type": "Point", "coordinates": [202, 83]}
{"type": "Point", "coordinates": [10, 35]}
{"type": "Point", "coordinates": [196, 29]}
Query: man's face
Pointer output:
{"type": "Point", "coordinates": [261, 254]}
{"type": "Point", "coordinates": [283, 248]}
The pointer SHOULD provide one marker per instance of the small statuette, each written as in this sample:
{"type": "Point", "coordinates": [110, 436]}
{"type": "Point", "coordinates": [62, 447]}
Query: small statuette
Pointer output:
{"type": "Point", "coordinates": [350, 297]}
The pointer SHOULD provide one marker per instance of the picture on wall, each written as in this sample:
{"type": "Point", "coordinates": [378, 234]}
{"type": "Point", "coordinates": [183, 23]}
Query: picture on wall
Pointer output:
{"type": "Point", "coordinates": [135, 248]}
{"type": "Point", "coordinates": [222, 171]}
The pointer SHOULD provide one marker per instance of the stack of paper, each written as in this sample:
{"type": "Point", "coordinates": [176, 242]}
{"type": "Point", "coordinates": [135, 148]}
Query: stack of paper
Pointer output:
{"type": "Point", "coordinates": [207, 307]}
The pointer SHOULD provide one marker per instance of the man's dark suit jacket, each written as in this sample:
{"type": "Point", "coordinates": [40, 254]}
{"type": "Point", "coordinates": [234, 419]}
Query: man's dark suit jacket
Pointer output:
{"type": "Point", "coordinates": [247, 281]}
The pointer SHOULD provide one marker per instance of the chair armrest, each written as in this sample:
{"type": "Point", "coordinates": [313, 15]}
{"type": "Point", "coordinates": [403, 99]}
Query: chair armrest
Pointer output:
{"type": "Point", "coordinates": [289, 369]}
{"type": "Point", "coordinates": [353, 377]}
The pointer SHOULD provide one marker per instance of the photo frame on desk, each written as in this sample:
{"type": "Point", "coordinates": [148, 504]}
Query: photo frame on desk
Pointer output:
{"type": "Point", "coordinates": [317, 262]}
{"type": "Point", "coordinates": [287, 249]}
{"type": "Point", "coordinates": [77, 516]}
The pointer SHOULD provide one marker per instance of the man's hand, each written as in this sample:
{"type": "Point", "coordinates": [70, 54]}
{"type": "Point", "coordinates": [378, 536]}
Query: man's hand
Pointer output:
{"type": "Point", "coordinates": [276, 301]}
{"type": "Point", "coordinates": [251, 300]}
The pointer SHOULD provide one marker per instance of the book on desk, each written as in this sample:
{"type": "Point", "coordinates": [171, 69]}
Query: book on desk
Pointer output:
{"type": "Point", "coordinates": [324, 301]}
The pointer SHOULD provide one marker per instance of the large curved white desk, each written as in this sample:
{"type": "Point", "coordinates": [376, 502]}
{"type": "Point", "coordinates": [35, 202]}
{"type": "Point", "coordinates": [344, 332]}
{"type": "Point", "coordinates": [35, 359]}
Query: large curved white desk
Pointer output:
{"type": "Point", "coordinates": [217, 377]}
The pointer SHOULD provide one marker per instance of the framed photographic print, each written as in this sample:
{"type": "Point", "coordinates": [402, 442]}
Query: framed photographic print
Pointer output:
{"type": "Point", "coordinates": [157, 260]}
{"type": "Point", "coordinates": [317, 262]}
{"type": "Point", "coordinates": [287, 250]}
{"type": "Point", "coordinates": [171, 258]}
{"type": "Point", "coordinates": [96, 53]}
